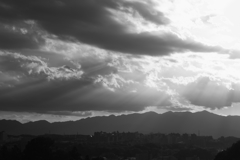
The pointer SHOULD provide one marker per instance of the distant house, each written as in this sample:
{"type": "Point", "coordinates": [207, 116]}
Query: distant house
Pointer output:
{"type": "Point", "coordinates": [3, 137]}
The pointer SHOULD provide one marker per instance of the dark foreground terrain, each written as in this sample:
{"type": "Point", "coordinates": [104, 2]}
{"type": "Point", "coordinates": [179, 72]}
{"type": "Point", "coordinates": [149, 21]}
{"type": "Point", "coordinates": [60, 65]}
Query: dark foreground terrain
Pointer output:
{"type": "Point", "coordinates": [119, 146]}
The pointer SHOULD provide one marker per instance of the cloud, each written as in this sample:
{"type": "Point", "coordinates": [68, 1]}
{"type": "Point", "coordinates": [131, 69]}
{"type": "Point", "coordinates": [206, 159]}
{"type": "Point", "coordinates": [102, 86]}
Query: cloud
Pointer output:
{"type": "Point", "coordinates": [80, 95]}
{"type": "Point", "coordinates": [70, 113]}
{"type": "Point", "coordinates": [11, 40]}
{"type": "Point", "coordinates": [24, 67]}
{"type": "Point", "coordinates": [95, 23]}
{"type": "Point", "coordinates": [193, 81]}
{"type": "Point", "coordinates": [147, 11]}
{"type": "Point", "coordinates": [69, 60]}
{"type": "Point", "coordinates": [19, 35]}
{"type": "Point", "coordinates": [211, 93]}
{"type": "Point", "coordinates": [206, 91]}
{"type": "Point", "coordinates": [38, 88]}
{"type": "Point", "coordinates": [126, 83]}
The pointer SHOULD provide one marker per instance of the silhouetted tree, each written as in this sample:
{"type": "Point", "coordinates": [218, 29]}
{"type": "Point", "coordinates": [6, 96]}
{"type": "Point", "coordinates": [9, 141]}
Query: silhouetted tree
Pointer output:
{"type": "Point", "coordinates": [74, 154]}
{"type": "Point", "coordinates": [15, 153]}
{"type": "Point", "coordinates": [232, 153]}
{"type": "Point", "coordinates": [4, 152]}
{"type": "Point", "coordinates": [39, 149]}
{"type": "Point", "coordinates": [60, 155]}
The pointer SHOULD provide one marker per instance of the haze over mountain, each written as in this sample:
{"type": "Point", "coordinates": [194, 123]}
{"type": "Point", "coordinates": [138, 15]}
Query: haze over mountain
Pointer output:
{"type": "Point", "coordinates": [178, 122]}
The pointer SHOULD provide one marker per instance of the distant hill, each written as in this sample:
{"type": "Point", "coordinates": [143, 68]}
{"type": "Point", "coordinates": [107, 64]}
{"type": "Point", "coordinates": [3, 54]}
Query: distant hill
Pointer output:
{"type": "Point", "coordinates": [178, 122]}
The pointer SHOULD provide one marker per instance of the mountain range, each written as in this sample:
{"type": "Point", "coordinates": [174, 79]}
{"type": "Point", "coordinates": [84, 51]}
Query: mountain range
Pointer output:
{"type": "Point", "coordinates": [203, 123]}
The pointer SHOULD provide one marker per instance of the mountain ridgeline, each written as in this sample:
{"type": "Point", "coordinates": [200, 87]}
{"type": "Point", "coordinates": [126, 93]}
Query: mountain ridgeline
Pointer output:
{"type": "Point", "coordinates": [203, 122]}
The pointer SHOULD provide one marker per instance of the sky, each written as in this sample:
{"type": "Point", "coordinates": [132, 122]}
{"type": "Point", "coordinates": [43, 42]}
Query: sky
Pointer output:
{"type": "Point", "coordinates": [64, 60]}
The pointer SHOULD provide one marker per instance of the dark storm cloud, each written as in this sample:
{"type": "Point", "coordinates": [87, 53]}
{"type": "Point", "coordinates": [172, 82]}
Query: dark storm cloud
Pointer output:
{"type": "Point", "coordinates": [147, 12]}
{"type": "Point", "coordinates": [90, 21]}
{"type": "Point", "coordinates": [15, 32]}
{"type": "Point", "coordinates": [11, 40]}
